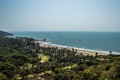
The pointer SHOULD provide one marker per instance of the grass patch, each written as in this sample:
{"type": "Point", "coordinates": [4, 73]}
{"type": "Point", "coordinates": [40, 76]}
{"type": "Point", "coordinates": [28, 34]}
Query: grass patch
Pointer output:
{"type": "Point", "coordinates": [100, 59]}
{"type": "Point", "coordinates": [48, 72]}
{"type": "Point", "coordinates": [69, 67]}
{"type": "Point", "coordinates": [43, 58]}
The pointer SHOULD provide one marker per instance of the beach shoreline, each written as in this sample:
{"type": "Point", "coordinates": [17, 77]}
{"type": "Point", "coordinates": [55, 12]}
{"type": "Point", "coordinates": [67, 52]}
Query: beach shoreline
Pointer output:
{"type": "Point", "coordinates": [78, 51]}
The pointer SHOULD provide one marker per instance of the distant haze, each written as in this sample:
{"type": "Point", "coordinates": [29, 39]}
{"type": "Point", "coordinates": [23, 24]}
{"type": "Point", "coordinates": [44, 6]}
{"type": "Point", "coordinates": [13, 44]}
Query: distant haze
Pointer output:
{"type": "Point", "coordinates": [60, 15]}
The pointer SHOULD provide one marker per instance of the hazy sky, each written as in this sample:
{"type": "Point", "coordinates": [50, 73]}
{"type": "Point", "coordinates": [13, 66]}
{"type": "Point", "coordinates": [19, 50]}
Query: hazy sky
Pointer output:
{"type": "Point", "coordinates": [60, 15]}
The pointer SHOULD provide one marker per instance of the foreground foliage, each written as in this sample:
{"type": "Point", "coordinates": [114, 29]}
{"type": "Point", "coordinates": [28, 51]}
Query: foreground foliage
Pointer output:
{"type": "Point", "coordinates": [21, 59]}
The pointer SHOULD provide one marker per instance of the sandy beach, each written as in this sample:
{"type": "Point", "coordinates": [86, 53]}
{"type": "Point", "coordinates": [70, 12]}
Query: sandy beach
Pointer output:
{"type": "Point", "coordinates": [84, 52]}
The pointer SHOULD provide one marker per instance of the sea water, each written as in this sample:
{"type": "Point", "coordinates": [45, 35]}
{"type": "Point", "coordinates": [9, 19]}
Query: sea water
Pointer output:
{"type": "Point", "coordinates": [92, 41]}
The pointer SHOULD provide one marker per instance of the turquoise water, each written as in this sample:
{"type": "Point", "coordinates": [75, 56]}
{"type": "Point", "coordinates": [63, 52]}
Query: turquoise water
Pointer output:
{"type": "Point", "coordinates": [99, 41]}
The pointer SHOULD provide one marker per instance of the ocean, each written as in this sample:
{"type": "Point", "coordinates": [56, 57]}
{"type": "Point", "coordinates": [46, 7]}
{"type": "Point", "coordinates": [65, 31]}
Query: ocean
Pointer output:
{"type": "Point", "coordinates": [91, 41]}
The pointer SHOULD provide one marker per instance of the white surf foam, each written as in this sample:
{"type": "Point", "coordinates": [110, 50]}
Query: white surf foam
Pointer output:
{"type": "Point", "coordinates": [99, 51]}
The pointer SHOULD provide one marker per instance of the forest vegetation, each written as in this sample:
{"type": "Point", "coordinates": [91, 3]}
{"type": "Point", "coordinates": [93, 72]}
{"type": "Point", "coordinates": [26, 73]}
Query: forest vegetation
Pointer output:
{"type": "Point", "coordinates": [21, 59]}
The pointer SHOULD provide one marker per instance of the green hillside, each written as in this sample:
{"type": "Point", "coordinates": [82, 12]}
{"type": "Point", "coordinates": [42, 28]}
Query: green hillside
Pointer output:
{"type": "Point", "coordinates": [3, 33]}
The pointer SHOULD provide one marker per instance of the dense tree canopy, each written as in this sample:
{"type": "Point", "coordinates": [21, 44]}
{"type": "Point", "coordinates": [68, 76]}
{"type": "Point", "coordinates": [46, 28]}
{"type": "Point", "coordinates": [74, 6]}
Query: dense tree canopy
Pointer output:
{"type": "Point", "coordinates": [20, 59]}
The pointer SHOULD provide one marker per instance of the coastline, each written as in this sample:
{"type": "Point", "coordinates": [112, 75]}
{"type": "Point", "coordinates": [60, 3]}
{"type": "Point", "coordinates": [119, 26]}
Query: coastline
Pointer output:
{"type": "Point", "coordinates": [78, 51]}
{"type": "Point", "coordinates": [89, 41]}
